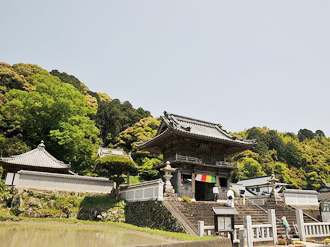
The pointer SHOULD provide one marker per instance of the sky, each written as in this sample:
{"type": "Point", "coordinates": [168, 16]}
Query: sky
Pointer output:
{"type": "Point", "coordinates": [238, 63]}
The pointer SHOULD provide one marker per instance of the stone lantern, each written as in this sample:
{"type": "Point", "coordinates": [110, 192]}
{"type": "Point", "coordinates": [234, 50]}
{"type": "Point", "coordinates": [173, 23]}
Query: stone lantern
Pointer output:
{"type": "Point", "coordinates": [168, 170]}
{"type": "Point", "coordinates": [273, 180]}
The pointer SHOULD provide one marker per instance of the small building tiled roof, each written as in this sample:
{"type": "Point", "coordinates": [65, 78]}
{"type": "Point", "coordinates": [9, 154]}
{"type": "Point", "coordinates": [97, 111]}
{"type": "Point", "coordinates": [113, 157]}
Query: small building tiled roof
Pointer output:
{"type": "Point", "coordinates": [196, 128]}
{"type": "Point", "coordinates": [37, 157]}
{"type": "Point", "coordinates": [103, 152]}
{"type": "Point", "coordinates": [257, 181]}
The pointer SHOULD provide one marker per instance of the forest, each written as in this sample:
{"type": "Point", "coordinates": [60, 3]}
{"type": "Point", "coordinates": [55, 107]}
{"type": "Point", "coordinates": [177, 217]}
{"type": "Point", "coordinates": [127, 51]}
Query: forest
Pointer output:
{"type": "Point", "coordinates": [73, 121]}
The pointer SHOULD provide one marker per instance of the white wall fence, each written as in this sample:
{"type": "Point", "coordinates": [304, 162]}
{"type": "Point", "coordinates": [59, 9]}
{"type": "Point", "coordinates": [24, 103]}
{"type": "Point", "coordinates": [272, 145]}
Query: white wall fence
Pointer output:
{"type": "Point", "coordinates": [253, 233]}
{"type": "Point", "coordinates": [301, 198]}
{"type": "Point", "coordinates": [149, 190]}
{"type": "Point", "coordinates": [311, 230]}
{"type": "Point", "coordinates": [57, 181]}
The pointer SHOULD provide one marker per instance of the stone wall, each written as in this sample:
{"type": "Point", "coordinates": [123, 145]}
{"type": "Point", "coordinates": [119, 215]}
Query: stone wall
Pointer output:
{"type": "Point", "coordinates": [152, 214]}
{"type": "Point", "coordinates": [60, 204]}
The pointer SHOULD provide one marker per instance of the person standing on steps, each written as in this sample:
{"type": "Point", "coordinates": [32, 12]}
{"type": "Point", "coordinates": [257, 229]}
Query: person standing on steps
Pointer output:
{"type": "Point", "coordinates": [287, 228]}
{"type": "Point", "coordinates": [230, 198]}
{"type": "Point", "coordinates": [215, 192]}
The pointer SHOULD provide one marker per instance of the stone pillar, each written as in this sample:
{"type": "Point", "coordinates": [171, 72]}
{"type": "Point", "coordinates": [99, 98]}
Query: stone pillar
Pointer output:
{"type": "Point", "coordinates": [200, 228]}
{"type": "Point", "coordinates": [242, 237]}
{"type": "Point", "coordinates": [272, 221]}
{"type": "Point", "coordinates": [300, 224]}
{"type": "Point", "coordinates": [247, 221]}
{"type": "Point", "coordinates": [193, 186]}
{"type": "Point", "coordinates": [178, 182]}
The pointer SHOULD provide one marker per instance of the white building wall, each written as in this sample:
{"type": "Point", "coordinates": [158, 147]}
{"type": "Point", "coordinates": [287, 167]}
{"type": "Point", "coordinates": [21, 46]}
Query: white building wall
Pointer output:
{"type": "Point", "coordinates": [150, 190]}
{"type": "Point", "coordinates": [301, 199]}
{"type": "Point", "coordinates": [61, 182]}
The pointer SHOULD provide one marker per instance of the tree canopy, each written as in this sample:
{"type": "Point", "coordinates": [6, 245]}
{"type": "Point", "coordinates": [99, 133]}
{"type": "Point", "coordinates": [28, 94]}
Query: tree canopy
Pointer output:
{"type": "Point", "coordinates": [302, 161]}
{"type": "Point", "coordinates": [113, 167]}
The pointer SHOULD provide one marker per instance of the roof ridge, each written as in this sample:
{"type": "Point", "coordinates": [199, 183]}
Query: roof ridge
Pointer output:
{"type": "Point", "coordinates": [190, 118]}
{"type": "Point", "coordinates": [20, 155]}
{"type": "Point", "coordinates": [53, 158]}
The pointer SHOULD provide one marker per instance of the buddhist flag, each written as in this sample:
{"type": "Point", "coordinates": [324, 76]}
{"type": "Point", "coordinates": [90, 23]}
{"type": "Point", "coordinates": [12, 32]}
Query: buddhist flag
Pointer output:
{"type": "Point", "coordinates": [205, 178]}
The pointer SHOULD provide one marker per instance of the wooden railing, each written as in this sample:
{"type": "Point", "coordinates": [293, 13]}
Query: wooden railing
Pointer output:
{"type": "Point", "coordinates": [321, 229]}
{"type": "Point", "coordinates": [178, 157]}
{"type": "Point", "coordinates": [196, 160]}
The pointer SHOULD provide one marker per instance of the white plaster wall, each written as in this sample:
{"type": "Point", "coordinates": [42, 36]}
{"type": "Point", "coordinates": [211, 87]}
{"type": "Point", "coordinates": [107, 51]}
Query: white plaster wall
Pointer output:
{"type": "Point", "coordinates": [151, 190]}
{"type": "Point", "coordinates": [301, 199]}
{"type": "Point", "coordinates": [62, 182]}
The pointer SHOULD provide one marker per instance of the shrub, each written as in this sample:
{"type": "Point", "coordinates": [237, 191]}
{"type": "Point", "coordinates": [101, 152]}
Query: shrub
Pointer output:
{"type": "Point", "coordinates": [186, 199]}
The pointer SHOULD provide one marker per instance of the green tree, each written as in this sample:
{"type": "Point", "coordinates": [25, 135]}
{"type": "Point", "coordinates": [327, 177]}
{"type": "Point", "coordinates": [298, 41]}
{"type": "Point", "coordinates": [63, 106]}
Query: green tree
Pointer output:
{"type": "Point", "coordinates": [77, 140]}
{"type": "Point", "coordinates": [114, 117]}
{"type": "Point", "coordinates": [141, 131]}
{"type": "Point", "coordinates": [50, 113]}
{"type": "Point", "coordinates": [113, 167]}
{"type": "Point", "coordinates": [249, 168]}
{"type": "Point", "coordinates": [305, 134]}
{"type": "Point", "coordinates": [12, 146]}
{"type": "Point", "coordinates": [146, 171]}
{"type": "Point", "coordinates": [320, 133]}
{"type": "Point", "coordinates": [292, 155]}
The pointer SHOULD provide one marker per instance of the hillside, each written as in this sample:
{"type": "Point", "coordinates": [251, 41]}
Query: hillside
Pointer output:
{"type": "Point", "coordinates": [73, 121]}
{"type": "Point", "coordinates": [302, 160]}
{"type": "Point", "coordinates": [59, 109]}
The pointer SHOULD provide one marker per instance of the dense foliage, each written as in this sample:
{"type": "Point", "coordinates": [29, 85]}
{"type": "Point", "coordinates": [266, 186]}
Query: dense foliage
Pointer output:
{"type": "Point", "coordinates": [141, 131]}
{"type": "Point", "coordinates": [113, 167]}
{"type": "Point", "coordinates": [56, 107]}
{"type": "Point", "coordinates": [302, 161]}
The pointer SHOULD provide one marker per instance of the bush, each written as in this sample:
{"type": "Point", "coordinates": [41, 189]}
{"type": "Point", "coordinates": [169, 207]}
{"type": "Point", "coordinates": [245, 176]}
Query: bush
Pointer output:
{"type": "Point", "coordinates": [186, 199]}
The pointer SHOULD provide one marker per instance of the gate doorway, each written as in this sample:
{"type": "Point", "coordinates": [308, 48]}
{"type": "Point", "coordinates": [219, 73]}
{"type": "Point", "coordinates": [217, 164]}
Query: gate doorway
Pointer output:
{"type": "Point", "coordinates": [204, 191]}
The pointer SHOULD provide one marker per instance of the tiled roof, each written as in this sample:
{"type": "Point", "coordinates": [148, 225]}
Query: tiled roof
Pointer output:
{"type": "Point", "coordinates": [201, 128]}
{"type": "Point", "coordinates": [37, 157]}
{"type": "Point", "coordinates": [103, 152]}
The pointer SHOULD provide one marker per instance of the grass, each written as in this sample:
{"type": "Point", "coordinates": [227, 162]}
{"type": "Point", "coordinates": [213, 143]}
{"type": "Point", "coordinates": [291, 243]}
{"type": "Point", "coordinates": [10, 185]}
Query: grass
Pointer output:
{"type": "Point", "coordinates": [174, 235]}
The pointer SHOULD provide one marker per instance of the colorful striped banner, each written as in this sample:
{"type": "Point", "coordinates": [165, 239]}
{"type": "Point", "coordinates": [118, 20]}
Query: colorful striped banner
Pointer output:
{"type": "Point", "coordinates": [205, 178]}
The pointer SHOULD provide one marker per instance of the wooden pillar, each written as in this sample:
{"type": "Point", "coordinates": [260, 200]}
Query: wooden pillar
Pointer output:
{"type": "Point", "coordinates": [193, 187]}
{"type": "Point", "coordinates": [217, 180]}
{"type": "Point", "coordinates": [228, 181]}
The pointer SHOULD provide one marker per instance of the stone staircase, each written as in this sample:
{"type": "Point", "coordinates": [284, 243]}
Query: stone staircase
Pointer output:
{"type": "Point", "coordinates": [289, 212]}
{"type": "Point", "coordinates": [190, 213]}
{"type": "Point", "coordinates": [193, 212]}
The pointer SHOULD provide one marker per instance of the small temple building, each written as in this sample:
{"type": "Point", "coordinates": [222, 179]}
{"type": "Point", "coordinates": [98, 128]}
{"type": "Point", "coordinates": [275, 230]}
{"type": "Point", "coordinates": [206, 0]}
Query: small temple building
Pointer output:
{"type": "Point", "coordinates": [198, 150]}
{"type": "Point", "coordinates": [37, 159]}
{"type": "Point", "coordinates": [38, 169]}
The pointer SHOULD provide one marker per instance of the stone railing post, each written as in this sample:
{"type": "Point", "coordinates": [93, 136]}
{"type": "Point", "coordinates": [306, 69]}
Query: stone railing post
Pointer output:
{"type": "Point", "coordinates": [272, 221]}
{"type": "Point", "coordinates": [242, 237]}
{"type": "Point", "coordinates": [300, 223]}
{"type": "Point", "coordinates": [200, 228]}
{"type": "Point", "coordinates": [249, 231]}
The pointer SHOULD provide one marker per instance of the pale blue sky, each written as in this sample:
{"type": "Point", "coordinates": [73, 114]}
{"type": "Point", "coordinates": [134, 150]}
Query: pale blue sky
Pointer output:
{"type": "Point", "coordinates": [238, 63]}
